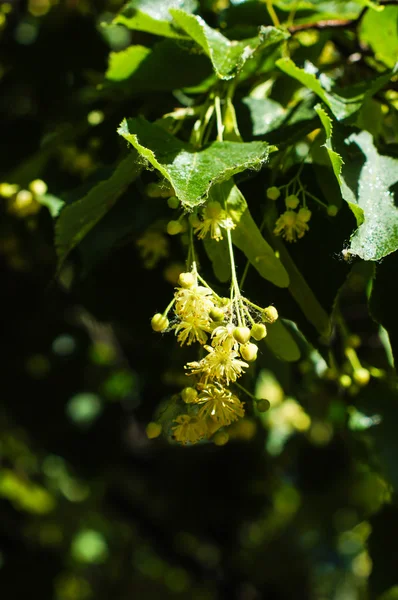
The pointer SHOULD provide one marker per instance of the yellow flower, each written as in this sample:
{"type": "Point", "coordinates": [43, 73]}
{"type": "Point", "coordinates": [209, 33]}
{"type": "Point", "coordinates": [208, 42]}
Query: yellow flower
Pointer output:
{"type": "Point", "coordinates": [223, 336]}
{"type": "Point", "coordinates": [214, 218]}
{"type": "Point", "coordinates": [153, 246]}
{"type": "Point", "coordinates": [193, 302]}
{"type": "Point", "coordinates": [189, 429]}
{"type": "Point", "coordinates": [221, 364]}
{"type": "Point", "coordinates": [292, 225]}
{"type": "Point", "coordinates": [192, 329]}
{"type": "Point", "coordinates": [220, 404]}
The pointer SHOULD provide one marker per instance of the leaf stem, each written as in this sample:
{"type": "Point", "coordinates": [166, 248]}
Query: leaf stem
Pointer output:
{"type": "Point", "coordinates": [272, 13]}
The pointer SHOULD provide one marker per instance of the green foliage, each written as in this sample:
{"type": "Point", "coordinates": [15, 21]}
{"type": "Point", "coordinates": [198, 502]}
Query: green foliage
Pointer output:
{"type": "Point", "coordinates": [367, 179]}
{"type": "Point", "coordinates": [200, 319]}
{"type": "Point", "coordinates": [191, 172]}
{"type": "Point", "coordinates": [153, 16]}
{"type": "Point", "coordinates": [80, 217]}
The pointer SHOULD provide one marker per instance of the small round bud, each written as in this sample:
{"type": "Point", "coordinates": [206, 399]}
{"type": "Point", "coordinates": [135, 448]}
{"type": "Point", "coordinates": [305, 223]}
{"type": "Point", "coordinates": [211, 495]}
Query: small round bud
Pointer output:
{"type": "Point", "coordinates": [38, 187]}
{"type": "Point", "coordinates": [174, 227]}
{"type": "Point", "coordinates": [304, 215]}
{"type": "Point", "coordinates": [241, 334]}
{"type": "Point", "coordinates": [153, 430]}
{"type": "Point", "coordinates": [194, 220]}
{"type": "Point", "coordinates": [263, 405]}
{"type": "Point", "coordinates": [225, 301]}
{"type": "Point", "coordinates": [273, 193]}
{"type": "Point", "coordinates": [332, 210]}
{"type": "Point", "coordinates": [216, 314]}
{"type": "Point", "coordinates": [345, 381]}
{"type": "Point", "coordinates": [220, 438]}
{"type": "Point", "coordinates": [249, 352]}
{"type": "Point", "coordinates": [7, 190]}
{"type": "Point", "coordinates": [213, 209]}
{"type": "Point", "coordinates": [159, 322]}
{"type": "Point", "coordinates": [186, 280]}
{"type": "Point", "coordinates": [353, 341]}
{"type": "Point", "coordinates": [166, 190]}
{"type": "Point", "coordinates": [270, 314]}
{"type": "Point", "coordinates": [153, 190]}
{"type": "Point", "coordinates": [173, 202]}
{"type": "Point", "coordinates": [361, 376]}
{"type": "Point", "coordinates": [189, 395]}
{"type": "Point", "coordinates": [289, 218]}
{"type": "Point", "coordinates": [292, 201]}
{"type": "Point", "coordinates": [258, 331]}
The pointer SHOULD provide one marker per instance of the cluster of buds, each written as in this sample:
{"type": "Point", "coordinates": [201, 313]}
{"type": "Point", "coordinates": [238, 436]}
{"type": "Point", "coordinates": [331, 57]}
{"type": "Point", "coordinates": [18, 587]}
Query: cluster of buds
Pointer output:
{"type": "Point", "coordinates": [224, 328]}
{"type": "Point", "coordinates": [21, 202]}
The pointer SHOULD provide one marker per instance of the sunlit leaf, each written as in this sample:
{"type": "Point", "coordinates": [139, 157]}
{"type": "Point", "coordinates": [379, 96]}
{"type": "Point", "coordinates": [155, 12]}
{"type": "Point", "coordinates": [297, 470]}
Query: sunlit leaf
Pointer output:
{"type": "Point", "coordinates": [227, 56]}
{"type": "Point", "coordinates": [153, 16]}
{"type": "Point", "coordinates": [192, 172]}
{"type": "Point", "coordinates": [366, 181]}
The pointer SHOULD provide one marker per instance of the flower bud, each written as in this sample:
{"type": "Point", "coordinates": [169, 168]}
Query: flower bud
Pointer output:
{"type": "Point", "coordinates": [270, 314]}
{"type": "Point", "coordinates": [153, 430]}
{"type": "Point", "coordinates": [153, 190]}
{"type": "Point", "coordinates": [249, 352]}
{"type": "Point", "coordinates": [289, 218]}
{"type": "Point", "coordinates": [216, 314]}
{"type": "Point", "coordinates": [241, 334]}
{"type": "Point", "coordinates": [173, 202]}
{"type": "Point", "coordinates": [292, 201]}
{"type": "Point", "coordinates": [186, 280]}
{"type": "Point", "coordinates": [353, 341]}
{"type": "Point", "coordinates": [345, 380]}
{"type": "Point", "coordinates": [189, 395]}
{"type": "Point", "coordinates": [174, 227]}
{"type": "Point", "coordinates": [220, 438]}
{"type": "Point", "coordinates": [159, 322]}
{"type": "Point", "coordinates": [361, 376]}
{"type": "Point", "coordinates": [258, 331]}
{"type": "Point", "coordinates": [304, 215]}
{"type": "Point", "coordinates": [273, 193]}
{"type": "Point", "coordinates": [38, 187]}
{"type": "Point", "coordinates": [263, 405]}
{"type": "Point", "coordinates": [332, 210]}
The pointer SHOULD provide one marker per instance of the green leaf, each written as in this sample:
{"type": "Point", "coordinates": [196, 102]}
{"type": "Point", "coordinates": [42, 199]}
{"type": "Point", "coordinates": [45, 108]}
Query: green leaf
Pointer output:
{"type": "Point", "coordinates": [342, 102]}
{"type": "Point", "coordinates": [248, 238]}
{"type": "Point", "coordinates": [190, 171]}
{"type": "Point", "coordinates": [77, 219]}
{"type": "Point", "coordinates": [266, 114]}
{"type": "Point", "coordinates": [335, 158]}
{"type": "Point", "coordinates": [219, 255]}
{"type": "Point", "coordinates": [281, 342]}
{"type": "Point", "coordinates": [154, 69]}
{"type": "Point", "coordinates": [327, 9]}
{"type": "Point", "coordinates": [383, 299]}
{"type": "Point", "coordinates": [367, 177]}
{"type": "Point", "coordinates": [123, 64]}
{"type": "Point", "coordinates": [380, 32]}
{"type": "Point", "coordinates": [227, 56]}
{"type": "Point", "coordinates": [153, 16]}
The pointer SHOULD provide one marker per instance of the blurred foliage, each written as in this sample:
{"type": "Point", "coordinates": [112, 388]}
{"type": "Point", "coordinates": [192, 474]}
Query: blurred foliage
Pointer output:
{"type": "Point", "coordinates": [224, 100]}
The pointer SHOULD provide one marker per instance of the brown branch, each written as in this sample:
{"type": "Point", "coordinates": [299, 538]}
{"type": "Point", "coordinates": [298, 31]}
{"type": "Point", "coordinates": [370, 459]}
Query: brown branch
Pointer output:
{"type": "Point", "coordinates": [337, 23]}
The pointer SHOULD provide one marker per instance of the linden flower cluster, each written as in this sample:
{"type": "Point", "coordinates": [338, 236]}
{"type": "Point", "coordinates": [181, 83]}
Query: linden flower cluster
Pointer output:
{"type": "Point", "coordinates": [220, 326]}
{"type": "Point", "coordinates": [291, 225]}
